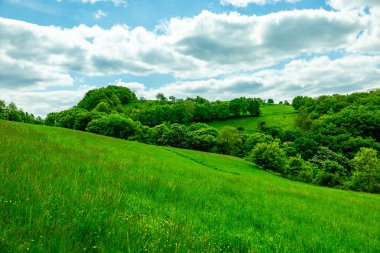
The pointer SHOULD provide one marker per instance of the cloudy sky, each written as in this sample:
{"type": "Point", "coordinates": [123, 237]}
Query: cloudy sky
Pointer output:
{"type": "Point", "coordinates": [53, 51]}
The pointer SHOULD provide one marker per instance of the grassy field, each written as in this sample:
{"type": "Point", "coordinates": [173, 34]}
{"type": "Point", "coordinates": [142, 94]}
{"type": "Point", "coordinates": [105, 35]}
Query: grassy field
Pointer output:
{"type": "Point", "coordinates": [69, 191]}
{"type": "Point", "coordinates": [272, 115]}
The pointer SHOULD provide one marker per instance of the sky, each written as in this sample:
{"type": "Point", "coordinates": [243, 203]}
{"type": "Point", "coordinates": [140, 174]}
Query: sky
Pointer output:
{"type": "Point", "coordinates": [53, 51]}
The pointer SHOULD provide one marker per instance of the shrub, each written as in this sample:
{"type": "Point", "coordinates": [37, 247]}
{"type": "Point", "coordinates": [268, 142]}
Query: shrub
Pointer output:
{"type": "Point", "coordinates": [366, 176]}
{"type": "Point", "coordinates": [269, 156]}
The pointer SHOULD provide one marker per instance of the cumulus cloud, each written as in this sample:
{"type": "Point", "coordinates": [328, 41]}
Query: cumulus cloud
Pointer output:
{"type": "Point", "coordinates": [245, 3]}
{"type": "Point", "coordinates": [208, 44]}
{"type": "Point", "coordinates": [318, 76]}
{"type": "Point", "coordinates": [43, 102]}
{"type": "Point", "coordinates": [230, 41]}
{"type": "Point", "coordinates": [352, 4]}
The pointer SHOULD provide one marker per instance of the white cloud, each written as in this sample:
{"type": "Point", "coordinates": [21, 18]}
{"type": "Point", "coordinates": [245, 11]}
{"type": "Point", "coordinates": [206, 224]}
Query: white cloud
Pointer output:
{"type": "Point", "coordinates": [314, 77]}
{"type": "Point", "coordinates": [100, 14]}
{"type": "Point", "coordinates": [208, 44]}
{"type": "Point", "coordinates": [115, 2]}
{"type": "Point", "coordinates": [40, 103]}
{"type": "Point", "coordinates": [352, 4]}
{"type": "Point", "coordinates": [226, 42]}
{"type": "Point", "coordinates": [245, 3]}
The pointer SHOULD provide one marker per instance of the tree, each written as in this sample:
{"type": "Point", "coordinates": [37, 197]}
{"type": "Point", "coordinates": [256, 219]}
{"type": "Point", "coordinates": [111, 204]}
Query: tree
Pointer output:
{"type": "Point", "coordinates": [235, 107]}
{"type": "Point", "coordinates": [176, 136]}
{"type": "Point", "coordinates": [103, 107]}
{"type": "Point", "coordinates": [253, 107]}
{"type": "Point", "coordinates": [12, 113]}
{"type": "Point", "coordinates": [158, 132]}
{"type": "Point", "coordinates": [323, 154]}
{"type": "Point", "coordinates": [300, 101]}
{"type": "Point", "coordinates": [229, 141]}
{"type": "Point", "coordinates": [295, 166]}
{"type": "Point", "coordinates": [269, 156]}
{"type": "Point", "coordinates": [113, 125]}
{"type": "Point", "coordinates": [2, 109]}
{"type": "Point", "coordinates": [172, 99]}
{"type": "Point", "coordinates": [200, 140]}
{"type": "Point", "coordinates": [161, 97]}
{"type": "Point", "coordinates": [306, 147]}
{"type": "Point", "coordinates": [113, 95]}
{"type": "Point", "coordinates": [270, 101]}
{"type": "Point", "coordinates": [332, 174]}
{"type": "Point", "coordinates": [255, 139]}
{"type": "Point", "coordinates": [366, 175]}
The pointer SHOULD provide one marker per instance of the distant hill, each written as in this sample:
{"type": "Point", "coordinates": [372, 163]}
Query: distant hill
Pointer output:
{"type": "Point", "coordinates": [68, 191]}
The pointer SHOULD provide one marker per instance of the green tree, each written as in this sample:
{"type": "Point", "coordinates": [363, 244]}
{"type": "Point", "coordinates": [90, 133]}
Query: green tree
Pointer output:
{"type": "Point", "coordinates": [2, 109]}
{"type": "Point", "coordinates": [255, 139]}
{"type": "Point", "coordinates": [300, 101]}
{"type": "Point", "coordinates": [200, 140]}
{"type": "Point", "coordinates": [229, 141]}
{"type": "Point", "coordinates": [113, 125]}
{"type": "Point", "coordinates": [332, 174]}
{"type": "Point", "coordinates": [366, 176]}
{"type": "Point", "coordinates": [161, 97]}
{"type": "Point", "coordinates": [103, 107]}
{"type": "Point", "coordinates": [235, 107]}
{"type": "Point", "coordinates": [176, 136]}
{"type": "Point", "coordinates": [113, 95]}
{"type": "Point", "coordinates": [253, 107]}
{"type": "Point", "coordinates": [269, 156]}
{"type": "Point", "coordinates": [305, 146]}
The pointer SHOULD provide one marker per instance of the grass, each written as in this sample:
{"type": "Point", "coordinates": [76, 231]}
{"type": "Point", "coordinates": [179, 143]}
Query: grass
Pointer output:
{"type": "Point", "coordinates": [273, 115]}
{"type": "Point", "coordinates": [68, 191]}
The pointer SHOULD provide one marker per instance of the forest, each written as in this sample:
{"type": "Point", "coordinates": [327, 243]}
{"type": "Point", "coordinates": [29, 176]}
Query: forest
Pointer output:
{"type": "Point", "coordinates": [334, 141]}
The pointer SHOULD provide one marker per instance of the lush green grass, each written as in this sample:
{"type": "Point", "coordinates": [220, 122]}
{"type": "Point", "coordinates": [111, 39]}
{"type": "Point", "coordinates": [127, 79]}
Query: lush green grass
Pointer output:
{"type": "Point", "coordinates": [69, 191]}
{"type": "Point", "coordinates": [273, 115]}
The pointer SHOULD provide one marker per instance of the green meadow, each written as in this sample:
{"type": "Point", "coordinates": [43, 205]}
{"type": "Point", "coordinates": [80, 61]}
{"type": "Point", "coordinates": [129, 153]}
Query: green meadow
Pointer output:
{"type": "Point", "coordinates": [273, 115]}
{"type": "Point", "coordinates": [69, 191]}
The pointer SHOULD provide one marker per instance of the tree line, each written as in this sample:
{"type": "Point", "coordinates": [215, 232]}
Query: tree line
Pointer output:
{"type": "Point", "coordinates": [12, 113]}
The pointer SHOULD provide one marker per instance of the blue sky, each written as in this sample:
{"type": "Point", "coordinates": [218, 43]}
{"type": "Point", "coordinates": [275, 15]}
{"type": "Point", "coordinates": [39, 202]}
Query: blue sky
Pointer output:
{"type": "Point", "coordinates": [52, 52]}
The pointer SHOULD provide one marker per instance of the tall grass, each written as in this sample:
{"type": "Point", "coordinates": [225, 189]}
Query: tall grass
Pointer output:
{"type": "Point", "coordinates": [69, 191]}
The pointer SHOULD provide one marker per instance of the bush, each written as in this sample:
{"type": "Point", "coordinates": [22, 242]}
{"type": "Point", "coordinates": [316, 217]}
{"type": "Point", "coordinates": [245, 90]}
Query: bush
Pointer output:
{"type": "Point", "coordinates": [269, 156]}
{"type": "Point", "coordinates": [229, 141]}
{"type": "Point", "coordinates": [366, 176]}
{"type": "Point", "coordinates": [113, 125]}
{"type": "Point", "coordinates": [255, 139]}
{"type": "Point", "coordinates": [332, 174]}
{"type": "Point", "coordinates": [176, 136]}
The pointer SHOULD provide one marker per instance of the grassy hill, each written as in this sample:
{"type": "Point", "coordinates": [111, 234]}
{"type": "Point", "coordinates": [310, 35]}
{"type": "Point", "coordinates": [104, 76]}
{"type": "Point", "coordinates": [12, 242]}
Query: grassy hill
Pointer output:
{"type": "Point", "coordinates": [273, 115]}
{"type": "Point", "coordinates": [69, 191]}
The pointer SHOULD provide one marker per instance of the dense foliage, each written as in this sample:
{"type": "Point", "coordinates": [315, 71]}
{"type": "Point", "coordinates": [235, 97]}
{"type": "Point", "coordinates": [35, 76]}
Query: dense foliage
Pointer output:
{"type": "Point", "coordinates": [192, 110]}
{"type": "Point", "coordinates": [12, 113]}
{"type": "Point", "coordinates": [114, 96]}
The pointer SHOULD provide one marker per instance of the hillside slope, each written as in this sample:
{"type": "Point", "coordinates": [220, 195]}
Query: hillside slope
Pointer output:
{"type": "Point", "coordinates": [273, 115]}
{"type": "Point", "coordinates": [69, 191]}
